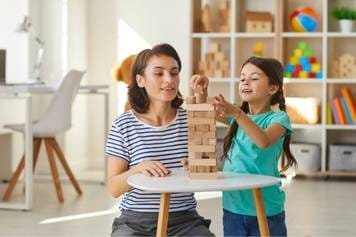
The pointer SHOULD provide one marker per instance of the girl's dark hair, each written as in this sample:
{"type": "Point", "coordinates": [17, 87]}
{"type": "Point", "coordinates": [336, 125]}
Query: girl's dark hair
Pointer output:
{"type": "Point", "coordinates": [274, 71]}
{"type": "Point", "coordinates": [137, 96]}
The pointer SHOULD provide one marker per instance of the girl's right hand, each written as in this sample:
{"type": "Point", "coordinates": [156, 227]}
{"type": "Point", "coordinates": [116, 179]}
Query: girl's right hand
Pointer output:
{"type": "Point", "coordinates": [152, 168]}
{"type": "Point", "coordinates": [199, 84]}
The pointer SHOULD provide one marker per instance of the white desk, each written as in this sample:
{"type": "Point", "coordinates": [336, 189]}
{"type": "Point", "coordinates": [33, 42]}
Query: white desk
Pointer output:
{"type": "Point", "coordinates": [178, 181]}
{"type": "Point", "coordinates": [25, 92]}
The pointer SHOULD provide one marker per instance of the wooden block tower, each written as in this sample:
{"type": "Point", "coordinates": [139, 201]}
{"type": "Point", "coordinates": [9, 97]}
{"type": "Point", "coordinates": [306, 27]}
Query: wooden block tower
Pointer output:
{"type": "Point", "coordinates": [201, 138]}
{"type": "Point", "coordinates": [215, 63]}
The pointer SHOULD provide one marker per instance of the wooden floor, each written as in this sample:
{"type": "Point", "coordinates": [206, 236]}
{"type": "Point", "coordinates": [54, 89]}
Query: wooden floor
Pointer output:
{"type": "Point", "coordinates": [314, 208]}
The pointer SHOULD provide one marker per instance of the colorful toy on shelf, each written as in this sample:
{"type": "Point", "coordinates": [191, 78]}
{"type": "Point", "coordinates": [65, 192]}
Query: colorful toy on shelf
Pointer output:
{"type": "Point", "coordinates": [214, 63]}
{"type": "Point", "coordinates": [304, 19]}
{"type": "Point", "coordinates": [344, 67]}
{"type": "Point", "coordinates": [302, 64]}
{"type": "Point", "coordinates": [206, 19]}
{"type": "Point", "coordinates": [258, 21]}
{"type": "Point", "coordinates": [258, 49]}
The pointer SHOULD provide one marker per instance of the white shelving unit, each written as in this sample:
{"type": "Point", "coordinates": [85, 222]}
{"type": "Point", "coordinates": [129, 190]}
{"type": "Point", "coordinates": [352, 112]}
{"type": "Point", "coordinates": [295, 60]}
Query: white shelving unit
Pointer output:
{"type": "Point", "coordinates": [327, 43]}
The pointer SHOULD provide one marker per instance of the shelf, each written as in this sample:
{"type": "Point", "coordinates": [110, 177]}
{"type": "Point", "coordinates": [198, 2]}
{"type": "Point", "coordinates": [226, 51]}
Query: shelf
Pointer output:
{"type": "Point", "coordinates": [306, 126]}
{"type": "Point", "coordinates": [211, 35]}
{"type": "Point", "coordinates": [254, 35]}
{"type": "Point", "coordinates": [327, 174]}
{"type": "Point", "coordinates": [302, 35]}
{"type": "Point", "coordinates": [325, 45]}
{"type": "Point", "coordinates": [340, 127]}
{"type": "Point", "coordinates": [302, 80]}
{"type": "Point", "coordinates": [341, 35]}
{"type": "Point", "coordinates": [341, 81]}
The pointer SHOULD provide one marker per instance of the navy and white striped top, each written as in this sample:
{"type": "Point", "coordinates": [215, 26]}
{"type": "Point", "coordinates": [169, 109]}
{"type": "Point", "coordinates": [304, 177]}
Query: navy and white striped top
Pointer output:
{"type": "Point", "coordinates": [134, 141]}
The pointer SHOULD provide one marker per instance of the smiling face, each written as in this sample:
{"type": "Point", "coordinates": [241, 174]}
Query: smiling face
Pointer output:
{"type": "Point", "coordinates": [254, 86]}
{"type": "Point", "coordinates": [160, 78]}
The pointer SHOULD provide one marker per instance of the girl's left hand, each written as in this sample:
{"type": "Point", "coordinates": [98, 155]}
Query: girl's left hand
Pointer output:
{"type": "Point", "coordinates": [224, 108]}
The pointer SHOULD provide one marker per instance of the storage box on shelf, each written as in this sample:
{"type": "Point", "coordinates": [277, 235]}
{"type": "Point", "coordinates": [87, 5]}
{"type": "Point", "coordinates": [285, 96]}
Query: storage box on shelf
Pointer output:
{"type": "Point", "coordinates": [323, 45]}
{"type": "Point", "coordinates": [308, 157]}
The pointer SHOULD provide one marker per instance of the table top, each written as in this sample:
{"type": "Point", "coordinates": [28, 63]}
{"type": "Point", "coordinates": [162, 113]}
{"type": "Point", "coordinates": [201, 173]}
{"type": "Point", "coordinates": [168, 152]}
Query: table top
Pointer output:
{"type": "Point", "coordinates": [179, 181]}
{"type": "Point", "coordinates": [45, 88]}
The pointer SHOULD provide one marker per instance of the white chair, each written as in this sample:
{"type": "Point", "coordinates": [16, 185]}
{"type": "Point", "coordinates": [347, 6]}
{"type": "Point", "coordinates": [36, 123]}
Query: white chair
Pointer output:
{"type": "Point", "coordinates": [56, 120]}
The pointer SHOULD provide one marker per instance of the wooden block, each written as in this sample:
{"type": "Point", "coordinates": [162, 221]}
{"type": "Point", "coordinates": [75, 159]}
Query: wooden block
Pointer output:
{"type": "Point", "coordinates": [195, 140]}
{"type": "Point", "coordinates": [218, 73]}
{"type": "Point", "coordinates": [212, 128]}
{"type": "Point", "coordinates": [191, 128]}
{"type": "Point", "coordinates": [219, 57]}
{"type": "Point", "coordinates": [191, 99]}
{"type": "Point", "coordinates": [196, 175]}
{"type": "Point", "coordinates": [202, 128]}
{"type": "Point", "coordinates": [211, 141]}
{"type": "Point", "coordinates": [210, 114]}
{"type": "Point", "coordinates": [214, 47]}
{"type": "Point", "coordinates": [202, 162]}
{"type": "Point", "coordinates": [206, 19]}
{"type": "Point", "coordinates": [205, 134]}
{"type": "Point", "coordinates": [199, 107]}
{"type": "Point", "coordinates": [200, 120]}
{"type": "Point", "coordinates": [195, 155]}
{"type": "Point", "coordinates": [200, 114]}
{"type": "Point", "coordinates": [201, 148]}
{"type": "Point", "coordinates": [201, 98]}
{"type": "Point", "coordinates": [205, 141]}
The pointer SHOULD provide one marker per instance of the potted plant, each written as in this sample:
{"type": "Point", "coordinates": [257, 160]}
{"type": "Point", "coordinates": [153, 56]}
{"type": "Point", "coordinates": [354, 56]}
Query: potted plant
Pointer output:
{"type": "Point", "coordinates": [346, 17]}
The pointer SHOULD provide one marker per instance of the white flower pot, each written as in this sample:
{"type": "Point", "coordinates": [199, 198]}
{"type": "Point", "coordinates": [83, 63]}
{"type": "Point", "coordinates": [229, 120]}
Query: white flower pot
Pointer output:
{"type": "Point", "coordinates": [346, 26]}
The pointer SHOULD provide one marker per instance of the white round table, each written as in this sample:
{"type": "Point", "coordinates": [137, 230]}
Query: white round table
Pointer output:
{"type": "Point", "coordinates": [179, 181]}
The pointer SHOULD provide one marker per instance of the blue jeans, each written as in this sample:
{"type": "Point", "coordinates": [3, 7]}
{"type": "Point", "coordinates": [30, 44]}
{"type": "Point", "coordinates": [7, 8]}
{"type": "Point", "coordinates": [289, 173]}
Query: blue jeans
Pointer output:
{"type": "Point", "coordinates": [241, 225]}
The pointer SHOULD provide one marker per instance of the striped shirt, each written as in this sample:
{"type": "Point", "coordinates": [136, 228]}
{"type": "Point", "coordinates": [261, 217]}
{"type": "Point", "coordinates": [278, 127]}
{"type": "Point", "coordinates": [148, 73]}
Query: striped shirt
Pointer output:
{"type": "Point", "coordinates": [134, 141]}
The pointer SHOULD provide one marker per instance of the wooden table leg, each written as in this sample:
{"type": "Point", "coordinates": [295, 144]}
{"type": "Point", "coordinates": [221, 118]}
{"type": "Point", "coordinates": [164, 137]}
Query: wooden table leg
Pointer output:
{"type": "Point", "coordinates": [163, 215]}
{"type": "Point", "coordinates": [261, 215]}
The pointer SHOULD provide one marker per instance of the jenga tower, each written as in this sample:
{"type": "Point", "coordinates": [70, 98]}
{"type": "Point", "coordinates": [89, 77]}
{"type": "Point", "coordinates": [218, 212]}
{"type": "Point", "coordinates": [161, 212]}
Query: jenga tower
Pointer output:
{"type": "Point", "coordinates": [201, 138]}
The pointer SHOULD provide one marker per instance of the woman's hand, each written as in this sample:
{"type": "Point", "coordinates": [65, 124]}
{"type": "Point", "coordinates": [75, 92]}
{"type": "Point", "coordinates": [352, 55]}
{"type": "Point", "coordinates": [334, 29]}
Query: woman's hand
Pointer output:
{"type": "Point", "coordinates": [199, 84]}
{"type": "Point", "coordinates": [185, 164]}
{"type": "Point", "coordinates": [152, 168]}
{"type": "Point", "coordinates": [224, 108]}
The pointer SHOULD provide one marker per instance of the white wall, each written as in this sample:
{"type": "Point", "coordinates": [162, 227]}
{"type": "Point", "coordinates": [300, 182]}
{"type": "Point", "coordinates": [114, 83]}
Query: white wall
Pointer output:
{"type": "Point", "coordinates": [158, 21]}
{"type": "Point", "coordinates": [16, 44]}
{"type": "Point", "coordinates": [76, 139]}
{"type": "Point", "coordinates": [101, 59]}
{"type": "Point", "coordinates": [11, 14]}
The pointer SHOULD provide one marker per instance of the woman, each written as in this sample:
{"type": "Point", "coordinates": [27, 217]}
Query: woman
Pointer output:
{"type": "Point", "coordinates": [151, 138]}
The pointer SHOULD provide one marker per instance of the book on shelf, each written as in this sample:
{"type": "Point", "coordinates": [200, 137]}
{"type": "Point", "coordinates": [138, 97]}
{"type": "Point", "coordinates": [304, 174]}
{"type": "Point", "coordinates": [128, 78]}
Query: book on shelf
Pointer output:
{"type": "Point", "coordinates": [346, 110]}
{"type": "Point", "coordinates": [341, 117]}
{"type": "Point", "coordinates": [350, 103]}
{"type": "Point", "coordinates": [329, 114]}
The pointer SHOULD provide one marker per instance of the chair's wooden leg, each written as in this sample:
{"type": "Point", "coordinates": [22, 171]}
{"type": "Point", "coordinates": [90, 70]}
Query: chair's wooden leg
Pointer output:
{"type": "Point", "coordinates": [36, 151]}
{"type": "Point", "coordinates": [13, 180]}
{"type": "Point", "coordinates": [65, 165]}
{"type": "Point", "coordinates": [54, 171]}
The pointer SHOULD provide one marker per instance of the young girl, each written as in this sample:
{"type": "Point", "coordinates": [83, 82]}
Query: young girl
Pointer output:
{"type": "Point", "coordinates": [151, 138]}
{"type": "Point", "coordinates": [256, 139]}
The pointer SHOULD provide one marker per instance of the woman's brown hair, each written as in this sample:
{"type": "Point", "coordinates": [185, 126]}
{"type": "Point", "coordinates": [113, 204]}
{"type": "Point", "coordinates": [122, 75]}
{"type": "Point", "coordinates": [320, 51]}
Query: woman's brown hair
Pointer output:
{"type": "Point", "coordinates": [137, 96]}
{"type": "Point", "coordinates": [274, 71]}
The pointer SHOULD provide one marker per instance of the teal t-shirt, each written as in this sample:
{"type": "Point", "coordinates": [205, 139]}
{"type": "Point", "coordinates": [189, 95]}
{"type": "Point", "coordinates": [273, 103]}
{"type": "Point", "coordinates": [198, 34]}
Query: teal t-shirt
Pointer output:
{"type": "Point", "coordinates": [246, 157]}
